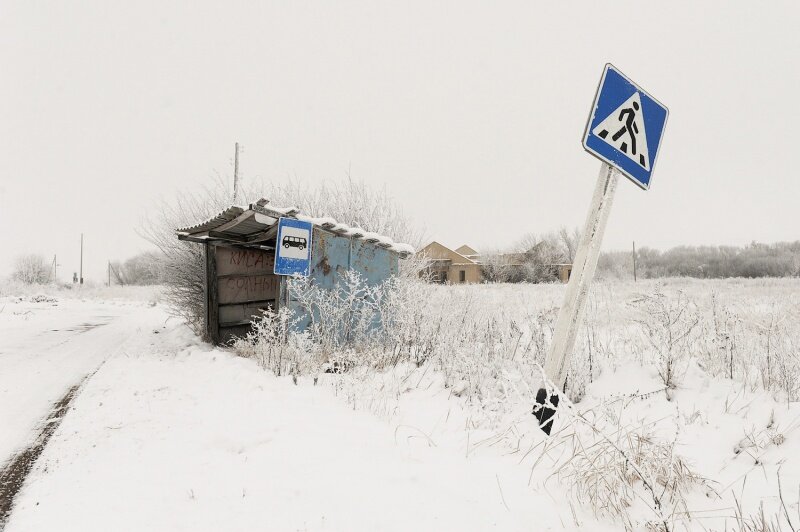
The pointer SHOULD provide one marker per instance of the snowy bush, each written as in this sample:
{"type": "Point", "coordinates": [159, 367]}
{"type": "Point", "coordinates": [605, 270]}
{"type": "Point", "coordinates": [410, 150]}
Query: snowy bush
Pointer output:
{"type": "Point", "coordinates": [32, 269]}
{"type": "Point", "coordinates": [668, 324]}
{"type": "Point", "coordinates": [276, 349]}
{"type": "Point", "coordinates": [484, 353]}
{"type": "Point", "coordinates": [614, 469]}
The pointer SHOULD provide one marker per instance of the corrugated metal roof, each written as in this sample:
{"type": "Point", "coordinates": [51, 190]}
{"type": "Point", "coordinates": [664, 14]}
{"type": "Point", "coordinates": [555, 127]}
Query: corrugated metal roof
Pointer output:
{"type": "Point", "coordinates": [212, 223]}
{"type": "Point", "coordinates": [237, 223]}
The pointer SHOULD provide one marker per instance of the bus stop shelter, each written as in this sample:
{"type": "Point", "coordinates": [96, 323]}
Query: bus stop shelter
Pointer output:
{"type": "Point", "coordinates": [239, 249]}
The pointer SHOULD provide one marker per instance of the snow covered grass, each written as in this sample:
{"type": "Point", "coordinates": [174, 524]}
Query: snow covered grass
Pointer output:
{"type": "Point", "coordinates": [697, 355]}
{"type": "Point", "coordinates": [89, 291]}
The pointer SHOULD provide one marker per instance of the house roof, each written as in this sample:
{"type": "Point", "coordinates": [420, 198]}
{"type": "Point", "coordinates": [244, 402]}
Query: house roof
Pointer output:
{"type": "Point", "coordinates": [466, 251]}
{"type": "Point", "coordinates": [454, 254]}
{"type": "Point", "coordinates": [257, 224]}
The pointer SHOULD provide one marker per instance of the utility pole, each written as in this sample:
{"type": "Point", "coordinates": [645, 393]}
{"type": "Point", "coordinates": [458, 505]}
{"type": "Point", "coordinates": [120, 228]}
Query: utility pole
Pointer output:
{"type": "Point", "coordinates": [634, 261]}
{"type": "Point", "coordinates": [55, 269]}
{"type": "Point", "coordinates": [109, 274]}
{"type": "Point", "coordinates": [81, 277]}
{"type": "Point", "coordinates": [236, 174]}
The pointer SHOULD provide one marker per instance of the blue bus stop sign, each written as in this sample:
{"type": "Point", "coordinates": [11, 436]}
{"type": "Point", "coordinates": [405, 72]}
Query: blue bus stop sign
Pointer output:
{"type": "Point", "coordinates": [293, 247]}
{"type": "Point", "coordinates": [625, 127]}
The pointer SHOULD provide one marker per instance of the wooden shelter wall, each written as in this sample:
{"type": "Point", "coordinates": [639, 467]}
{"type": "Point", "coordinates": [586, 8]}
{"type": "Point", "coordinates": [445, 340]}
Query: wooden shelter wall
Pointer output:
{"type": "Point", "coordinates": [240, 286]}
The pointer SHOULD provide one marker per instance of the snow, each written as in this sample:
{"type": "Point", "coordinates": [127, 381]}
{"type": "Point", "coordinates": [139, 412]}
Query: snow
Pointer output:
{"type": "Point", "coordinates": [403, 248]}
{"type": "Point", "coordinates": [47, 348]}
{"type": "Point", "coordinates": [370, 236]}
{"type": "Point", "coordinates": [171, 434]}
{"type": "Point", "coordinates": [177, 436]}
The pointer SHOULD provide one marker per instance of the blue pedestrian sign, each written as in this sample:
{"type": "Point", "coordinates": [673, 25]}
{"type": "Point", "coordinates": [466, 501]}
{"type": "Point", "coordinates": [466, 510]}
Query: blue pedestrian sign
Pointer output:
{"type": "Point", "coordinates": [625, 127]}
{"type": "Point", "coordinates": [293, 247]}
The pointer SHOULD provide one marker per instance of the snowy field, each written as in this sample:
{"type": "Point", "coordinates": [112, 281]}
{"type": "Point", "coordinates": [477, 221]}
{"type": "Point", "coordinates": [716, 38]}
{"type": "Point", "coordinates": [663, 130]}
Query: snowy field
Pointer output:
{"type": "Point", "coordinates": [166, 433]}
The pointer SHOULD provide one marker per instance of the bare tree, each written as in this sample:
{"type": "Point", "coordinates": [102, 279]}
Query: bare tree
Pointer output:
{"type": "Point", "coordinates": [495, 267]}
{"type": "Point", "coordinates": [32, 269]}
{"type": "Point", "coordinates": [569, 240]}
{"type": "Point", "coordinates": [183, 262]}
{"type": "Point", "coordinates": [143, 269]}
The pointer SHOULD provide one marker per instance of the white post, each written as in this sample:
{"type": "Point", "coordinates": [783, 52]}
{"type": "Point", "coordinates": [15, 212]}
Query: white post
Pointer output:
{"type": "Point", "coordinates": [570, 316]}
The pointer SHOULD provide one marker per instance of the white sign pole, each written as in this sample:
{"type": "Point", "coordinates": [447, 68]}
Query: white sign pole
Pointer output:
{"type": "Point", "coordinates": [570, 316]}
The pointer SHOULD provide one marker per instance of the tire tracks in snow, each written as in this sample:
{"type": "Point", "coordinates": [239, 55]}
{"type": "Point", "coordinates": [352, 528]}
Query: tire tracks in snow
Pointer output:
{"type": "Point", "coordinates": [16, 469]}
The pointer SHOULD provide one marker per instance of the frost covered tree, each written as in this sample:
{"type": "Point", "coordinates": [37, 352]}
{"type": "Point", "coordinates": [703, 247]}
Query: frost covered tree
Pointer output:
{"type": "Point", "coordinates": [348, 201]}
{"type": "Point", "coordinates": [31, 269]}
{"type": "Point", "coordinates": [183, 262]}
{"type": "Point", "coordinates": [142, 269]}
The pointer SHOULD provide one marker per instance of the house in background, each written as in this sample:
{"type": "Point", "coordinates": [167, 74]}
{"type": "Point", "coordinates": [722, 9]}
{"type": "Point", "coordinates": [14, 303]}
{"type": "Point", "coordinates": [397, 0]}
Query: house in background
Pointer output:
{"type": "Point", "coordinates": [460, 266]}
{"type": "Point", "coordinates": [470, 253]}
{"type": "Point", "coordinates": [564, 271]}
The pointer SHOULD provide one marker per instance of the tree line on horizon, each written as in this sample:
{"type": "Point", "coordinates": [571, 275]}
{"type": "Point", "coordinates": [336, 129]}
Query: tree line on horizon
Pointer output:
{"type": "Point", "coordinates": [781, 259]}
{"type": "Point", "coordinates": [755, 260]}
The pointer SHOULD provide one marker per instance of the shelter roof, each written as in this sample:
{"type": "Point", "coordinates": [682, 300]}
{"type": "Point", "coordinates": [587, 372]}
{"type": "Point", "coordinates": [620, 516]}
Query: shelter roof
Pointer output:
{"type": "Point", "coordinates": [257, 224]}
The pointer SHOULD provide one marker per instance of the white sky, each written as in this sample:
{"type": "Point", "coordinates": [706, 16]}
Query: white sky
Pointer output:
{"type": "Point", "coordinates": [470, 114]}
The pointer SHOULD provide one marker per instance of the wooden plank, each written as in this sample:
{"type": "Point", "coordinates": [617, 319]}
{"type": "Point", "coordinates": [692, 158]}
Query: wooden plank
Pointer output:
{"type": "Point", "coordinates": [211, 295]}
{"type": "Point", "coordinates": [223, 236]}
{"type": "Point", "coordinates": [271, 233]}
{"type": "Point", "coordinates": [241, 289]}
{"type": "Point", "coordinates": [242, 314]}
{"type": "Point", "coordinates": [231, 332]}
{"type": "Point", "coordinates": [189, 238]}
{"type": "Point", "coordinates": [247, 261]}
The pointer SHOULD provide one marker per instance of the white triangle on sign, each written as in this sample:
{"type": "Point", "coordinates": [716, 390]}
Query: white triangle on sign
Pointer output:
{"type": "Point", "coordinates": [624, 130]}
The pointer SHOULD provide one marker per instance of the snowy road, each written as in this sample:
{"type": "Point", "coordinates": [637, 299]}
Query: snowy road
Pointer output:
{"type": "Point", "coordinates": [48, 347]}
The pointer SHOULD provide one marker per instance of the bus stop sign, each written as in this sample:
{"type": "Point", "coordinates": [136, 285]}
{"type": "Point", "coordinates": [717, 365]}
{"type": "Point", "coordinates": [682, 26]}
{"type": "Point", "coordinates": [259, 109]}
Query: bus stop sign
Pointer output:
{"type": "Point", "coordinates": [293, 247]}
{"type": "Point", "coordinates": [625, 127]}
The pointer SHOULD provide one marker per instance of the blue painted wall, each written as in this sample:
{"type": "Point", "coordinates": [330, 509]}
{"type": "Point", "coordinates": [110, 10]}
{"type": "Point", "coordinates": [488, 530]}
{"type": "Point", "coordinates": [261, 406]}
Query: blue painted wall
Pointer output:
{"type": "Point", "coordinates": [331, 256]}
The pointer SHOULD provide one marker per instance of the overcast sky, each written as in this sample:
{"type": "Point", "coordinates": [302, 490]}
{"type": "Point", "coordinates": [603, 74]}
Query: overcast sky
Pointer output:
{"type": "Point", "coordinates": [470, 114]}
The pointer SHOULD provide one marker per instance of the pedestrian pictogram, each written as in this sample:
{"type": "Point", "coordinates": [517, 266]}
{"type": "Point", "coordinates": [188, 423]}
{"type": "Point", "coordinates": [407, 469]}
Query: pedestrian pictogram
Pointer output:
{"type": "Point", "coordinates": [625, 127]}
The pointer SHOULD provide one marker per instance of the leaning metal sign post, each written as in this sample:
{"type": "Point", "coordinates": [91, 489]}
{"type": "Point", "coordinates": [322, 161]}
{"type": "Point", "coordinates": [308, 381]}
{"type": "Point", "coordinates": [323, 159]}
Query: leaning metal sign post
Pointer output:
{"type": "Point", "coordinates": [624, 131]}
{"type": "Point", "coordinates": [293, 247]}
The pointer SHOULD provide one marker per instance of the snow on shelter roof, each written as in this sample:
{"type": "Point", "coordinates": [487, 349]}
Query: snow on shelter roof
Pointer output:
{"type": "Point", "coordinates": [257, 223]}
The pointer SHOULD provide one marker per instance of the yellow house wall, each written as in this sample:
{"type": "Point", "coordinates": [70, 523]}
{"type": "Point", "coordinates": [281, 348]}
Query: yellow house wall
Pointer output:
{"type": "Point", "coordinates": [472, 272]}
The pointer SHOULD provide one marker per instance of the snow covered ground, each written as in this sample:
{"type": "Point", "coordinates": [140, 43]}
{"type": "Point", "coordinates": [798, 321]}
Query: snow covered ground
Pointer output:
{"type": "Point", "coordinates": [170, 434]}
{"type": "Point", "coordinates": [49, 345]}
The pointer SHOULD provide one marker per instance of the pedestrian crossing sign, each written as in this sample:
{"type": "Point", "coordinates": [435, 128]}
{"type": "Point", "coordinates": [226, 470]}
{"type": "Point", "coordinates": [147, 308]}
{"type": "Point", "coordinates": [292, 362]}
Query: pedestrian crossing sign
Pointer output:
{"type": "Point", "coordinates": [625, 127]}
